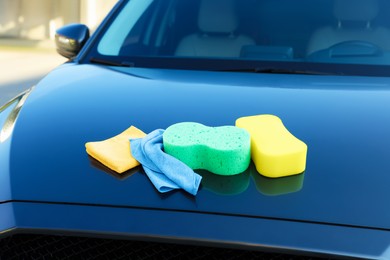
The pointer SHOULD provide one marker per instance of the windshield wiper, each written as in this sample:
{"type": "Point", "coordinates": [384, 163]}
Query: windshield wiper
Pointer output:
{"type": "Point", "coordinates": [272, 70]}
{"type": "Point", "coordinates": [111, 62]}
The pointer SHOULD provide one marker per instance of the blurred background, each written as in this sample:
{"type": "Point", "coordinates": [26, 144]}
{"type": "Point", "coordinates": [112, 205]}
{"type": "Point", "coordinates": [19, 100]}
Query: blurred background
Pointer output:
{"type": "Point", "coordinates": [27, 30]}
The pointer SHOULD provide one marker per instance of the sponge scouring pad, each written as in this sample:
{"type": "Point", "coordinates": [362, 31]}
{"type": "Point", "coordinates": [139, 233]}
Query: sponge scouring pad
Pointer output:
{"type": "Point", "coordinates": [274, 150]}
{"type": "Point", "coordinates": [221, 150]}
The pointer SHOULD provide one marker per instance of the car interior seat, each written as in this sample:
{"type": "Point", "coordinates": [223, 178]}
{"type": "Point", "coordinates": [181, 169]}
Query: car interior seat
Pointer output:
{"type": "Point", "coordinates": [217, 24]}
{"type": "Point", "coordinates": [354, 23]}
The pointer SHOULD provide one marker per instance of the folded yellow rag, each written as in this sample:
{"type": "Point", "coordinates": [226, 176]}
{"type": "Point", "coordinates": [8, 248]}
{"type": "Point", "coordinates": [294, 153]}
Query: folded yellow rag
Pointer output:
{"type": "Point", "coordinates": [115, 152]}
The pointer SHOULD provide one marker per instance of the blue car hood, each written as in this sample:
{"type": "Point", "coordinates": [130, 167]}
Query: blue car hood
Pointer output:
{"type": "Point", "coordinates": [345, 122]}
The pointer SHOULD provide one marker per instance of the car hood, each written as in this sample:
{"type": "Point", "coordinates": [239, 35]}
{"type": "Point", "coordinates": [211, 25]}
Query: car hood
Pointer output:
{"type": "Point", "coordinates": [345, 122]}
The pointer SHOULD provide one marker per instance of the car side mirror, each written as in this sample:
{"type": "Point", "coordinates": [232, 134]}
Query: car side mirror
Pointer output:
{"type": "Point", "coordinates": [70, 39]}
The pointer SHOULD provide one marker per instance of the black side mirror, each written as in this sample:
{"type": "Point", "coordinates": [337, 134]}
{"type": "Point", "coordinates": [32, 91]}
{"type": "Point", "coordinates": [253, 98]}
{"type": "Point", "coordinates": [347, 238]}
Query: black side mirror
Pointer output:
{"type": "Point", "coordinates": [70, 39]}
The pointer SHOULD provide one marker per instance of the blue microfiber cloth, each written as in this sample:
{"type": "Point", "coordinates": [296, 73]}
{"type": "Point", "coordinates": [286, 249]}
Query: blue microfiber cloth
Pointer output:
{"type": "Point", "coordinates": [164, 171]}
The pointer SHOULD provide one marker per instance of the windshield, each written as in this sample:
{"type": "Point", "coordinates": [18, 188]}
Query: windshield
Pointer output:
{"type": "Point", "coordinates": [258, 34]}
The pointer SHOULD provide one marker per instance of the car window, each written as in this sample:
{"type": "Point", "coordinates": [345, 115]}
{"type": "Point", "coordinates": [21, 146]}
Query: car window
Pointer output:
{"type": "Point", "coordinates": [115, 37]}
{"type": "Point", "coordinates": [283, 31]}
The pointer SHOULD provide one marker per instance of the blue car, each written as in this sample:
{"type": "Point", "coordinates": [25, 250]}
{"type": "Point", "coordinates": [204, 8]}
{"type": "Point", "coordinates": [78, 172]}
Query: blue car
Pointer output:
{"type": "Point", "coordinates": [321, 66]}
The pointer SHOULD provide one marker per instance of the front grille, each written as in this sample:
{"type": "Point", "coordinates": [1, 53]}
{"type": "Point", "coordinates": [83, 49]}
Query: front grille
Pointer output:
{"type": "Point", "coordinates": [63, 247]}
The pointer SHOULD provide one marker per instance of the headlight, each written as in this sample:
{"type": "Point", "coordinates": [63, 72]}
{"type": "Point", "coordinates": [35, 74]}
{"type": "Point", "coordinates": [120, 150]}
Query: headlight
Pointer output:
{"type": "Point", "coordinates": [9, 113]}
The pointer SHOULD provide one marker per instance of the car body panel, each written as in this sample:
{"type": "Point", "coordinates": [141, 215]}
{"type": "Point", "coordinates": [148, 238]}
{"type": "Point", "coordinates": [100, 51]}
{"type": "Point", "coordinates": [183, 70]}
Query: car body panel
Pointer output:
{"type": "Point", "coordinates": [198, 228]}
{"type": "Point", "coordinates": [61, 115]}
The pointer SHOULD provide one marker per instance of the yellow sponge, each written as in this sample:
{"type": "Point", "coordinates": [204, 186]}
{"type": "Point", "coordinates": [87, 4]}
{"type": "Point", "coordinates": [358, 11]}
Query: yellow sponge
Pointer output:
{"type": "Point", "coordinates": [274, 150]}
{"type": "Point", "coordinates": [115, 152]}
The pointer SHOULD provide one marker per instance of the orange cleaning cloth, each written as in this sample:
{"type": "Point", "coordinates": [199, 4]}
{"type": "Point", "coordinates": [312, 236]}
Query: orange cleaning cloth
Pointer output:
{"type": "Point", "coordinates": [115, 152]}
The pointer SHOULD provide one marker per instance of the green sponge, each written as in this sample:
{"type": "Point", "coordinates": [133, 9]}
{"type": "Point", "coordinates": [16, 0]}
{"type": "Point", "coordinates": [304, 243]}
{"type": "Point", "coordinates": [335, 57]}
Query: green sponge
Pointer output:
{"type": "Point", "coordinates": [221, 150]}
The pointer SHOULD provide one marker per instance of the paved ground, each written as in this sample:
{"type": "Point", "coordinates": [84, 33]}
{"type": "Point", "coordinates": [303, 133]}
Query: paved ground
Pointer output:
{"type": "Point", "coordinates": [23, 64]}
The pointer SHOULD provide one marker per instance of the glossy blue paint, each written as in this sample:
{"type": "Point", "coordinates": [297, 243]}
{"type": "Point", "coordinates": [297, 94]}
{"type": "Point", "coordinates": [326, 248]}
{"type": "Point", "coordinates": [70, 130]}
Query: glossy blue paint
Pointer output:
{"type": "Point", "coordinates": [343, 123]}
{"type": "Point", "coordinates": [341, 128]}
{"type": "Point", "coordinates": [208, 229]}
{"type": "Point", "coordinates": [7, 218]}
